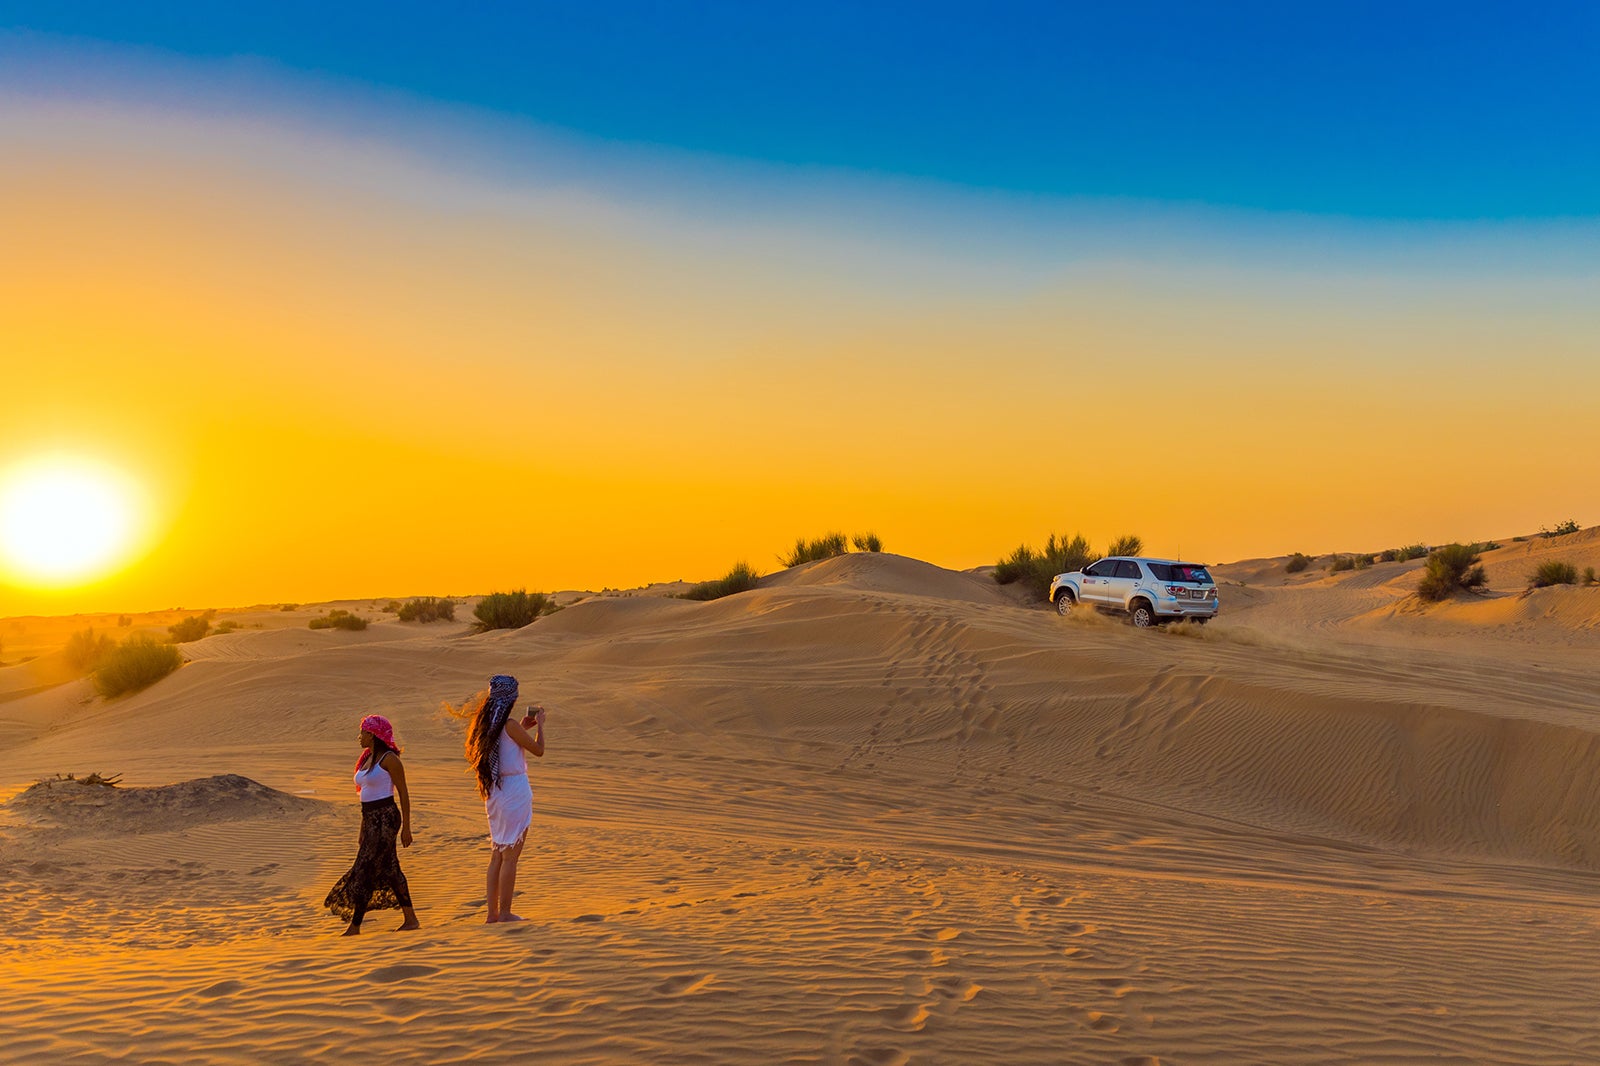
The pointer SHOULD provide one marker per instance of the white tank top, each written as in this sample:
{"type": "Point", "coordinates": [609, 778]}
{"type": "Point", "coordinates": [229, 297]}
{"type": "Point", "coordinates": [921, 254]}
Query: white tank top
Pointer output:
{"type": "Point", "coordinates": [512, 760]}
{"type": "Point", "coordinates": [375, 782]}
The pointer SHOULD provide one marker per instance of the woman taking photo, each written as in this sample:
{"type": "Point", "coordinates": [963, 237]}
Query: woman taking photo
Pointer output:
{"type": "Point", "coordinates": [375, 881]}
{"type": "Point", "coordinates": [496, 751]}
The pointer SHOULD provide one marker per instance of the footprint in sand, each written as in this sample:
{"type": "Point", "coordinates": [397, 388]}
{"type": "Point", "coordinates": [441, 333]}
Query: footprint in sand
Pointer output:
{"type": "Point", "coordinates": [221, 988]}
{"type": "Point", "coordinates": [403, 972]}
{"type": "Point", "coordinates": [590, 918]}
{"type": "Point", "coordinates": [1101, 1022]}
{"type": "Point", "coordinates": [684, 984]}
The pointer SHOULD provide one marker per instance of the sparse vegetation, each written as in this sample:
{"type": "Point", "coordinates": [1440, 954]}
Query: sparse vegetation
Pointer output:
{"type": "Point", "coordinates": [1588, 575]}
{"type": "Point", "coordinates": [227, 626]}
{"type": "Point", "coordinates": [1450, 569]}
{"type": "Point", "coordinates": [338, 619]}
{"type": "Point", "coordinates": [86, 649]}
{"type": "Point", "coordinates": [392, 607]}
{"type": "Point", "coordinates": [1553, 573]}
{"type": "Point", "coordinates": [136, 663]}
{"type": "Point", "coordinates": [1297, 562]}
{"type": "Point", "coordinates": [510, 610]}
{"type": "Point", "coordinates": [1036, 569]}
{"type": "Point", "coordinates": [1340, 563]}
{"type": "Point", "coordinates": [1411, 551]}
{"type": "Point", "coordinates": [124, 620]}
{"type": "Point", "coordinates": [1362, 561]}
{"type": "Point", "coordinates": [288, 606]}
{"type": "Point", "coordinates": [191, 628]}
{"type": "Point", "coordinates": [809, 551]}
{"type": "Point", "coordinates": [867, 542]}
{"type": "Point", "coordinates": [1127, 544]}
{"type": "Point", "coordinates": [1560, 529]}
{"type": "Point", "coordinates": [740, 579]}
{"type": "Point", "coordinates": [427, 609]}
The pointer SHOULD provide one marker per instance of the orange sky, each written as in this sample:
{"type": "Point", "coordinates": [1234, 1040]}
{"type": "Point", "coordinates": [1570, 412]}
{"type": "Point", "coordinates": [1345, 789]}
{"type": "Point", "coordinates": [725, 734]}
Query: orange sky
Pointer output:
{"type": "Point", "coordinates": [343, 368]}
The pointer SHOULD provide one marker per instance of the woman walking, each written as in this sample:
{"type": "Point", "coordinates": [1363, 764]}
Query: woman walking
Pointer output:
{"type": "Point", "coordinates": [496, 747]}
{"type": "Point", "coordinates": [375, 881]}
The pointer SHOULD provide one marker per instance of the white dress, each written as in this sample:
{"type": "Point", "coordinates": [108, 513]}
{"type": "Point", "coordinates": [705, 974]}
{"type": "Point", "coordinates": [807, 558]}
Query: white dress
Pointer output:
{"type": "Point", "coordinates": [510, 802]}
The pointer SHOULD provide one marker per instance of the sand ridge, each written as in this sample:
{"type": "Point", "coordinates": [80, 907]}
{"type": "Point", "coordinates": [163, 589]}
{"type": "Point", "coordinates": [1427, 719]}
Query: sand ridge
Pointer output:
{"type": "Point", "coordinates": [865, 814]}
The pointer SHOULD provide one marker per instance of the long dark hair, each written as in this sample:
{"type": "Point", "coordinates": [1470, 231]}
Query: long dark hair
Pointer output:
{"type": "Point", "coordinates": [482, 741]}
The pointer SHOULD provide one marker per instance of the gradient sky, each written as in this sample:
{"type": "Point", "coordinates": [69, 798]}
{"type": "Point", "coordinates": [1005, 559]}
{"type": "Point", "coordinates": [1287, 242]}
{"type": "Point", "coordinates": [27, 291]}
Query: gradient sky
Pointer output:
{"type": "Point", "coordinates": [392, 301]}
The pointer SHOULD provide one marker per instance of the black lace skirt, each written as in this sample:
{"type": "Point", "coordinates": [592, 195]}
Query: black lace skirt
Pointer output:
{"type": "Point", "coordinates": [375, 882]}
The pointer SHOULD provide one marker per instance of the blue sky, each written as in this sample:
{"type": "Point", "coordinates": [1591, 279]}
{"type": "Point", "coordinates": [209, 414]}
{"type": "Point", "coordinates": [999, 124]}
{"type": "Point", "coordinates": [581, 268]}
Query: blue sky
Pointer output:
{"type": "Point", "coordinates": [1389, 111]}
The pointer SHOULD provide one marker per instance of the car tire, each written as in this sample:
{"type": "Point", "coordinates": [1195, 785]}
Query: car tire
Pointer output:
{"type": "Point", "coordinates": [1141, 614]}
{"type": "Point", "coordinates": [1064, 603]}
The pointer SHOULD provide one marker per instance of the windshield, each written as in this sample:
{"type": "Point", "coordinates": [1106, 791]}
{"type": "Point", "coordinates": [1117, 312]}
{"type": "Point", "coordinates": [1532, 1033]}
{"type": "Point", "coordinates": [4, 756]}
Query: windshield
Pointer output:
{"type": "Point", "coordinates": [1193, 572]}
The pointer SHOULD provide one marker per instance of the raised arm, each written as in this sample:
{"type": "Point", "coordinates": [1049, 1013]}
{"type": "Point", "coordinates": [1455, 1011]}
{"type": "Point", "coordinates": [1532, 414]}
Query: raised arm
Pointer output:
{"type": "Point", "coordinates": [397, 772]}
{"type": "Point", "coordinates": [529, 741]}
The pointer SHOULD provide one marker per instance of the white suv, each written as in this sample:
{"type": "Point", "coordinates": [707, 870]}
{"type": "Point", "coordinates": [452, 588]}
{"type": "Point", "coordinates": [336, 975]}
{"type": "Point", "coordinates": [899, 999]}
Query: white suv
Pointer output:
{"type": "Point", "coordinates": [1151, 591]}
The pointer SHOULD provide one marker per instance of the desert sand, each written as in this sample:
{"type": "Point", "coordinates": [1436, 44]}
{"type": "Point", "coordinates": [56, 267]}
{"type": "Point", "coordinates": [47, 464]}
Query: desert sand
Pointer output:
{"type": "Point", "coordinates": [871, 812]}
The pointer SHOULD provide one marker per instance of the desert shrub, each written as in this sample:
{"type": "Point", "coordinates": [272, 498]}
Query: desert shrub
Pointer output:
{"type": "Point", "coordinates": [1560, 529]}
{"type": "Point", "coordinates": [1036, 569]}
{"type": "Point", "coordinates": [226, 627]}
{"type": "Point", "coordinates": [124, 620]}
{"type": "Point", "coordinates": [191, 628]}
{"type": "Point", "coordinates": [1484, 546]}
{"type": "Point", "coordinates": [867, 542]}
{"type": "Point", "coordinates": [740, 579]}
{"type": "Point", "coordinates": [427, 609]}
{"type": "Point", "coordinates": [85, 649]}
{"type": "Point", "coordinates": [510, 610]}
{"type": "Point", "coordinates": [1411, 551]}
{"type": "Point", "coordinates": [1553, 573]}
{"type": "Point", "coordinates": [1362, 561]}
{"type": "Point", "coordinates": [1388, 555]}
{"type": "Point", "coordinates": [809, 551]}
{"type": "Point", "coordinates": [1340, 563]}
{"type": "Point", "coordinates": [1450, 568]}
{"type": "Point", "coordinates": [136, 663]}
{"type": "Point", "coordinates": [1127, 544]}
{"type": "Point", "coordinates": [288, 606]}
{"type": "Point", "coordinates": [392, 607]}
{"type": "Point", "coordinates": [1297, 562]}
{"type": "Point", "coordinates": [338, 619]}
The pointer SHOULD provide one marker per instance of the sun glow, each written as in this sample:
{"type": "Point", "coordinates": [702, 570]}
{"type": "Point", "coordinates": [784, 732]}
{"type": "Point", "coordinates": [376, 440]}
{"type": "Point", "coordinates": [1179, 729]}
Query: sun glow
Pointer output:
{"type": "Point", "coordinates": [66, 520]}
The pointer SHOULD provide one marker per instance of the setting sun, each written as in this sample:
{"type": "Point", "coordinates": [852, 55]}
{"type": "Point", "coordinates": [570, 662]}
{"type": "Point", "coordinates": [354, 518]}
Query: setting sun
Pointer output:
{"type": "Point", "coordinates": [65, 520]}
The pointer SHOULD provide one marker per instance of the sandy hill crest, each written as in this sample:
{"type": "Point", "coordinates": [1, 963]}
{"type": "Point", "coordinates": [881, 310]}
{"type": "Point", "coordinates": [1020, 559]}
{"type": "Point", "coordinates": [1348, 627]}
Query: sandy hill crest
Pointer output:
{"type": "Point", "coordinates": [88, 807]}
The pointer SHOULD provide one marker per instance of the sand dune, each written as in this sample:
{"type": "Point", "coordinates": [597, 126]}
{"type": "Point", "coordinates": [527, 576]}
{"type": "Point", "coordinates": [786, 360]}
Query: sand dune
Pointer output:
{"type": "Point", "coordinates": [869, 812]}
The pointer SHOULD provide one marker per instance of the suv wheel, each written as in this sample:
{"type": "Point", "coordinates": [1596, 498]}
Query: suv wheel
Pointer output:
{"type": "Point", "coordinates": [1141, 614]}
{"type": "Point", "coordinates": [1064, 603]}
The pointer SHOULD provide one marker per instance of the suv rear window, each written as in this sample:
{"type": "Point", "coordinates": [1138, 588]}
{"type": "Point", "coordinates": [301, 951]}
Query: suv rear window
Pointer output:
{"type": "Point", "coordinates": [1192, 572]}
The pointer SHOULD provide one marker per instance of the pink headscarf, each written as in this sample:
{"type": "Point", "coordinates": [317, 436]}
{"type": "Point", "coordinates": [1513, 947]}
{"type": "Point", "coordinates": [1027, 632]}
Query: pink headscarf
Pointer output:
{"type": "Point", "coordinates": [380, 727]}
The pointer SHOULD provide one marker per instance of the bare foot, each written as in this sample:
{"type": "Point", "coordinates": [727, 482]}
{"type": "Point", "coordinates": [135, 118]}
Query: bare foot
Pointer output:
{"type": "Point", "coordinates": [490, 920]}
{"type": "Point", "coordinates": [410, 923]}
{"type": "Point", "coordinates": [351, 930]}
{"type": "Point", "coordinates": [509, 917]}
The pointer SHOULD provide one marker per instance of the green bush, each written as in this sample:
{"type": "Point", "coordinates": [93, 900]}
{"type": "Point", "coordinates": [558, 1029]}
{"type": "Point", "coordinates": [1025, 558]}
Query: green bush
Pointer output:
{"type": "Point", "coordinates": [1588, 575]}
{"type": "Point", "coordinates": [192, 628]}
{"type": "Point", "coordinates": [1127, 544]}
{"type": "Point", "coordinates": [510, 610]}
{"type": "Point", "coordinates": [288, 606]}
{"type": "Point", "coordinates": [1450, 569]}
{"type": "Point", "coordinates": [740, 579]}
{"type": "Point", "coordinates": [1411, 551]}
{"type": "Point", "coordinates": [1362, 561]}
{"type": "Point", "coordinates": [867, 542]}
{"type": "Point", "coordinates": [1036, 569]}
{"type": "Point", "coordinates": [1553, 573]}
{"type": "Point", "coordinates": [140, 661]}
{"type": "Point", "coordinates": [809, 551]}
{"type": "Point", "coordinates": [337, 619]}
{"type": "Point", "coordinates": [1559, 529]}
{"type": "Point", "coordinates": [427, 609]}
{"type": "Point", "coordinates": [1297, 562]}
{"type": "Point", "coordinates": [86, 649]}
{"type": "Point", "coordinates": [1340, 563]}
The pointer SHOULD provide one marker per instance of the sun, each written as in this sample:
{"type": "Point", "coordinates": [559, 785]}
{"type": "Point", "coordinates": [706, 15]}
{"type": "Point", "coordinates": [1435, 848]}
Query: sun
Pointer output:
{"type": "Point", "coordinates": [66, 519]}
